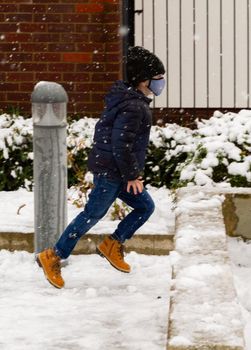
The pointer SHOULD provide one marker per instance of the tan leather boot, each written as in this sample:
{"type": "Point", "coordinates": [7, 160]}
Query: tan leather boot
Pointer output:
{"type": "Point", "coordinates": [112, 250]}
{"type": "Point", "coordinates": [50, 263]}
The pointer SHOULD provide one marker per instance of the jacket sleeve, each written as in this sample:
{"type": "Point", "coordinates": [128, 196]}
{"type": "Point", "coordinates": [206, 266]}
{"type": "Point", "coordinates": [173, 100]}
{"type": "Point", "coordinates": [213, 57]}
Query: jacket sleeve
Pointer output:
{"type": "Point", "coordinates": [124, 132]}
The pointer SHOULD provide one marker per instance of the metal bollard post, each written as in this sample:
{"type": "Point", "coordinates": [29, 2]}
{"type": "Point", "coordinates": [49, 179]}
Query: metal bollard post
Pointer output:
{"type": "Point", "coordinates": [49, 102]}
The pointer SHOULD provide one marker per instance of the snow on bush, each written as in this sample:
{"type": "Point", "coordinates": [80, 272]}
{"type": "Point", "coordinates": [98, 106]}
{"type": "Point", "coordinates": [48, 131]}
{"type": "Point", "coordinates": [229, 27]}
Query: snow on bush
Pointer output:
{"type": "Point", "coordinates": [15, 152]}
{"type": "Point", "coordinates": [169, 147]}
{"type": "Point", "coordinates": [79, 142]}
{"type": "Point", "coordinates": [218, 151]}
{"type": "Point", "coordinates": [222, 154]}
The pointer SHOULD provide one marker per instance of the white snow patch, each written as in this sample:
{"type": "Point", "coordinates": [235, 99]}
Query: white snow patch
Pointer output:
{"type": "Point", "coordinates": [17, 213]}
{"type": "Point", "coordinates": [100, 308]}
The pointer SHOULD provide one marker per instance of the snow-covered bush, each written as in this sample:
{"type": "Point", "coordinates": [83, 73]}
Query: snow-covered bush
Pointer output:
{"type": "Point", "coordinates": [15, 152]}
{"type": "Point", "coordinates": [79, 142]}
{"type": "Point", "coordinates": [222, 153]}
{"type": "Point", "coordinates": [217, 151]}
{"type": "Point", "coordinates": [169, 147]}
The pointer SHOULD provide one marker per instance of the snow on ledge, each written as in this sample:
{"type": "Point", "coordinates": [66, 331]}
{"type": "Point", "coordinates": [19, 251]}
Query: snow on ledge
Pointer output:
{"type": "Point", "coordinates": [213, 190]}
{"type": "Point", "coordinates": [17, 213]}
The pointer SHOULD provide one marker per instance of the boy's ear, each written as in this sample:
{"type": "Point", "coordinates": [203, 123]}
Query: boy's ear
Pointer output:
{"type": "Point", "coordinates": [144, 83]}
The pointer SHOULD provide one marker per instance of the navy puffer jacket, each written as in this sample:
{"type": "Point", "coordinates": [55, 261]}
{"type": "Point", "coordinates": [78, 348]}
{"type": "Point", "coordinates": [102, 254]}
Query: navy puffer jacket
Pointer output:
{"type": "Point", "coordinates": [121, 134]}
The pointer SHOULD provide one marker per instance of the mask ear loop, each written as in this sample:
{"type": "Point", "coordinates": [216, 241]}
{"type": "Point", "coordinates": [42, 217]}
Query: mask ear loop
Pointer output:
{"type": "Point", "coordinates": [149, 85]}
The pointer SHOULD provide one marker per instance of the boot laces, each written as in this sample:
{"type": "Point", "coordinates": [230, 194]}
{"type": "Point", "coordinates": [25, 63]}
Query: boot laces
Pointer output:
{"type": "Point", "coordinates": [121, 251]}
{"type": "Point", "coordinates": [56, 267]}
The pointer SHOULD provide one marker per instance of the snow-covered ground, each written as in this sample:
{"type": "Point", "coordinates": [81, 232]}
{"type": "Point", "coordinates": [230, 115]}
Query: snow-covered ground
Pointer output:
{"type": "Point", "coordinates": [240, 253]}
{"type": "Point", "coordinates": [100, 308]}
{"type": "Point", "coordinates": [16, 208]}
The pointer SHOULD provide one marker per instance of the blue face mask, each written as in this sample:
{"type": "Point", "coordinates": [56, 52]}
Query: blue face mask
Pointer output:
{"type": "Point", "coordinates": [157, 86]}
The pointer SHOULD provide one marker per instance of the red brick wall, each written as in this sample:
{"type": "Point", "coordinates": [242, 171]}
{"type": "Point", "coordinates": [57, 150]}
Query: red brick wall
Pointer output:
{"type": "Point", "coordinates": [70, 42]}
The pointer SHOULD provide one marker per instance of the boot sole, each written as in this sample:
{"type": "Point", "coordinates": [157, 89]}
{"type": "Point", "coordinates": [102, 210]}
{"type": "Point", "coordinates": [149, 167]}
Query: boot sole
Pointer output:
{"type": "Point", "coordinates": [40, 264]}
{"type": "Point", "coordinates": [104, 256]}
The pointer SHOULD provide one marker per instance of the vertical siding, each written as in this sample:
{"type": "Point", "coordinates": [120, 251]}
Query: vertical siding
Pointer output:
{"type": "Point", "coordinates": [248, 51]}
{"type": "Point", "coordinates": [214, 53]}
{"type": "Point", "coordinates": [201, 53]}
{"type": "Point", "coordinates": [241, 69]}
{"type": "Point", "coordinates": [187, 54]}
{"type": "Point", "coordinates": [205, 45]}
{"type": "Point", "coordinates": [228, 53]}
{"type": "Point", "coordinates": [138, 23]}
{"type": "Point", "coordinates": [160, 44]}
{"type": "Point", "coordinates": [174, 64]}
{"type": "Point", "coordinates": [148, 25]}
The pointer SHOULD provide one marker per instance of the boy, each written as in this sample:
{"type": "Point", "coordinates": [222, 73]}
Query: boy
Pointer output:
{"type": "Point", "coordinates": [116, 160]}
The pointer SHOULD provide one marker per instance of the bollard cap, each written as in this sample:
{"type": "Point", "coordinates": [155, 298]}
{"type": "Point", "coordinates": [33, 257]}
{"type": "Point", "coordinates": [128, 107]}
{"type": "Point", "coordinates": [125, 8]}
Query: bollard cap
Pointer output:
{"type": "Point", "coordinates": [48, 92]}
{"type": "Point", "coordinates": [49, 104]}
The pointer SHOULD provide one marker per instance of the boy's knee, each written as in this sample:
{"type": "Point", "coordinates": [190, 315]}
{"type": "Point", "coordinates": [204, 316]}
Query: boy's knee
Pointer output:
{"type": "Point", "coordinates": [95, 213]}
{"type": "Point", "coordinates": [148, 204]}
{"type": "Point", "coordinates": [152, 208]}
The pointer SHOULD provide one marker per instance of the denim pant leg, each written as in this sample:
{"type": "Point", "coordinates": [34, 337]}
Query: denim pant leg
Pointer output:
{"type": "Point", "coordinates": [100, 199]}
{"type": "Point", "coordinates": [143, 206]}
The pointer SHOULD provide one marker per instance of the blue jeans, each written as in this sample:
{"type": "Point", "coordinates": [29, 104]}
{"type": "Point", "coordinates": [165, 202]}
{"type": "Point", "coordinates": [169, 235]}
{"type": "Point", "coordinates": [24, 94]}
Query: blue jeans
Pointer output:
{"type": "Point", "coordinates": [102, 196]}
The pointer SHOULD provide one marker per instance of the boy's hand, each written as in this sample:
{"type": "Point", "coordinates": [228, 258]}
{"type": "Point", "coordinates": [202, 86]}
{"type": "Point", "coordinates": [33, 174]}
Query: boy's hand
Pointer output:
{"type": "Point", "coordinates": [137, 185]}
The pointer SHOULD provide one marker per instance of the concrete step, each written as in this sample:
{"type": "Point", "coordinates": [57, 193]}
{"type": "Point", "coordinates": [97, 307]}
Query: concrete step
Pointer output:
{"type": "Point", "coordinates": [150, 244]}
{"type": "Point", "coordinates": [204, 310]}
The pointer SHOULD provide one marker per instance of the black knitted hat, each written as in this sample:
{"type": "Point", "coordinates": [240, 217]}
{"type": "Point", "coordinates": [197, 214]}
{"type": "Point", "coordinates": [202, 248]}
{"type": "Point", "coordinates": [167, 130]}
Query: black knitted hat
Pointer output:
{"type": "Point", "coordinates": [142, 65]}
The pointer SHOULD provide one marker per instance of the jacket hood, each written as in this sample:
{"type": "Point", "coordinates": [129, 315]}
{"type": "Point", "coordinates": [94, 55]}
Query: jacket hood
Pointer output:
{"type": "Point", "coordinates": [121, 92]}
